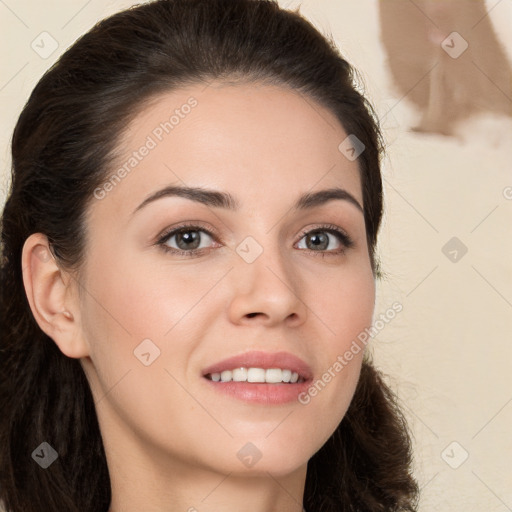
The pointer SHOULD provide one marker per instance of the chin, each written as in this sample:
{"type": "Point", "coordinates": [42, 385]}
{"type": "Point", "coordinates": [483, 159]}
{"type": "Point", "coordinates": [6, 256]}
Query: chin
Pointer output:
{"type": "Point", "coordinates": [259, 457]}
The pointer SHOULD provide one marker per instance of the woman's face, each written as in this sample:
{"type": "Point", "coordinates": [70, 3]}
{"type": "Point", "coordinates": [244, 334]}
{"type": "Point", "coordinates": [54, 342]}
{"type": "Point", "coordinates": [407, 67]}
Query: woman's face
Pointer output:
{"type": "Point", "coordinates": [153, 319]}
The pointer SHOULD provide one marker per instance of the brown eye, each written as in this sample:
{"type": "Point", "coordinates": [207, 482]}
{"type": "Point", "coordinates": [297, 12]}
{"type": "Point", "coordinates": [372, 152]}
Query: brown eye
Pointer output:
{"type": "Point", "coordinates": [318, 240]}
{"type": "Point", "coordinates": [186, 240]}
{"type": "Point", "coordinates": [321, 240]}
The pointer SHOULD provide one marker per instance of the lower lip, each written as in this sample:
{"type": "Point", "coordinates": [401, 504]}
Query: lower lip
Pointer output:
{"type": "Point", "coordinates": [262, 392]}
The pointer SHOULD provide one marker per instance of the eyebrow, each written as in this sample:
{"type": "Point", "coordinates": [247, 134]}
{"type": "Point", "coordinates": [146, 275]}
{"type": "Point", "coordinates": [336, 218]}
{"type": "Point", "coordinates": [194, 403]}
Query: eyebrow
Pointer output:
{"type": "Point", "coordinates": [217, 199]}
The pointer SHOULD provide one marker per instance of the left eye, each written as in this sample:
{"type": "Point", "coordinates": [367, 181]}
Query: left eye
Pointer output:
{"type": "Point", "coordinates": [320, 239]}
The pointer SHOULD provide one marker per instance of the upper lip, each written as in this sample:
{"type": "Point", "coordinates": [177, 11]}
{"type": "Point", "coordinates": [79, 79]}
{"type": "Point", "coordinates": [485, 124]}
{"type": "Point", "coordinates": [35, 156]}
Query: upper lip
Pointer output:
{"type": "Point", "coordinates": [265, 360]}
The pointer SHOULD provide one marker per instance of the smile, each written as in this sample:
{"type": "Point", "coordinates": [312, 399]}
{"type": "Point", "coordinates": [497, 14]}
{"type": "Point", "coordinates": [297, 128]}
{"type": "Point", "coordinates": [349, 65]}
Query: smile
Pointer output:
{"type": "Point", "coordinates": [256, 375]}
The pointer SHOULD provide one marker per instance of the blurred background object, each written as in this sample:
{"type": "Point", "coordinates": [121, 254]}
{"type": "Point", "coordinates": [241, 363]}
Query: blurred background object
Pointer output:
{"type": "Point", "coordinates": [445, 56]}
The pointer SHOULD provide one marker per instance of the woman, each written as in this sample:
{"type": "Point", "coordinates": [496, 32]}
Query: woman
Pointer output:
{"type": "Point", "coordinates": [188, 265]}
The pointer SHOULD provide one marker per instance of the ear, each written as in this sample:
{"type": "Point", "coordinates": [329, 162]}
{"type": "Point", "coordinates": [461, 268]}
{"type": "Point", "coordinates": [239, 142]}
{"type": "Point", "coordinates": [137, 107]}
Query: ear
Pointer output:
{"type": "Point", "coordinates": [52, 295]}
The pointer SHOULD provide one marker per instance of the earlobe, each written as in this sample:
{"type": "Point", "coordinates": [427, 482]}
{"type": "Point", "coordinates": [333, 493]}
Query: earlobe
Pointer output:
{"type": "Point", "coordinates": [49, 293]}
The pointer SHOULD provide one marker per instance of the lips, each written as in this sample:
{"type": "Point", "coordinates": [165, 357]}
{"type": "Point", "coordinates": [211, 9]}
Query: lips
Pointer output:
{"type": "Point", "coordinates": [265, 360]}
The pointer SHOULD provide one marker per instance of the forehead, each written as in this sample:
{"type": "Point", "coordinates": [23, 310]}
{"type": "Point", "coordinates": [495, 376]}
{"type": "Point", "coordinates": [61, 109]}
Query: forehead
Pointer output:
{"type": "Point", "coordinates": [259, 142]}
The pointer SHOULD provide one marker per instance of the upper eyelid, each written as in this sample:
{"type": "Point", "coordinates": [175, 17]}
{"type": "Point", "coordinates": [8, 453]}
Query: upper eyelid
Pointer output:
{"type": "Point", "coordinates": [166, 233]}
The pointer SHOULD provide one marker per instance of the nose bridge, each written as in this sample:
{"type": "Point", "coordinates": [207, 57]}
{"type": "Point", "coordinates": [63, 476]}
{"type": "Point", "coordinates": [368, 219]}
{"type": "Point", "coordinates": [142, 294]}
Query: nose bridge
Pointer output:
{"type": "Point", "coordinates": [265, 257]}
{"type": "Point", "coordinates": [265, 283]}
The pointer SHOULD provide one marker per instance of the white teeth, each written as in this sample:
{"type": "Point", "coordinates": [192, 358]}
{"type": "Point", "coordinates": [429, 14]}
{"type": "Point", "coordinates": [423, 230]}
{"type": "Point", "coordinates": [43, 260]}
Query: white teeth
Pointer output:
{"type": "Point", "coordinates": [270, 375]}
{"type": "Point", "coordinates": [226, 376]}
{"type": "Point", "coordinates": [255, 375]}
{"type": "Point", "coordinates": [274, 375]}
{"type": "Point", "coordinates": [240, 374]}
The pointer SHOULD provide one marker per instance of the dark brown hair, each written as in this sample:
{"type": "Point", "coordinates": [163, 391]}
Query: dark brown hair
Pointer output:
{"type": "Point", "coordinates": [62, 149]}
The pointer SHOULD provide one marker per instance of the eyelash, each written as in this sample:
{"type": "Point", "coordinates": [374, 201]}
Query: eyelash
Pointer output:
{"type": "Point", "coordinates": [345, 240]}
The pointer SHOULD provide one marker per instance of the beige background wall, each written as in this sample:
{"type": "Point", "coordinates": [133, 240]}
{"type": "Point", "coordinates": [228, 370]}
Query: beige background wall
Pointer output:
{"type": "Point", "coordinates": [448, 354]}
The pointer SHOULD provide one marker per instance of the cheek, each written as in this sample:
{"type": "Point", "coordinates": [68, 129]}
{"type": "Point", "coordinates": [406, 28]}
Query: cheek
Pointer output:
{"type": "Point", "coordinates": [138, 298]}
{"type": "Point", "coordinates": [344, 302]}
{"type": "Point", "coordinates": [345, 308]}
{"type": "Point", "coordinates": [131, 300]}
{"type": "Point", "coordinates": [131, 309]}
{"type": "Point", "coordinates": [121, 308]}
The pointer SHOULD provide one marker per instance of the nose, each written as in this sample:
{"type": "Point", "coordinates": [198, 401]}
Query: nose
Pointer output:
{"type": "Point", "coordinates": [267, 291]}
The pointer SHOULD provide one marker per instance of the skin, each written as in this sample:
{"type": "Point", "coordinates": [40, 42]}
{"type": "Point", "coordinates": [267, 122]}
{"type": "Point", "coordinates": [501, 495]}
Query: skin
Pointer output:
{"type": "Point", "coordinates": [171, 441]}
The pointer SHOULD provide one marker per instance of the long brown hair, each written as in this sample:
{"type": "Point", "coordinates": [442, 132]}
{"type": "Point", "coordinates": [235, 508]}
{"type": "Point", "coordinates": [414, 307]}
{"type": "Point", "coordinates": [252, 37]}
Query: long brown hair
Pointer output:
{"type": "Point", "coordinates": [62, 148]}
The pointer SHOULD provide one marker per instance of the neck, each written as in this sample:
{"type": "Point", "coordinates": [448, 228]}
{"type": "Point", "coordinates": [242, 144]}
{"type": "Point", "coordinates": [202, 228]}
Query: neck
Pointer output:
{"type": "Point", "coordinates": [137, 487]}
{"type": "Point", "coordinates": [145, 478]}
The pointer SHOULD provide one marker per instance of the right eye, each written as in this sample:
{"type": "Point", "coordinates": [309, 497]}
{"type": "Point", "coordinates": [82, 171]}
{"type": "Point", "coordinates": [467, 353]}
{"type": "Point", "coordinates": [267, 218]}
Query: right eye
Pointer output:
{"type": "Point", "coordinates": [188, 240]}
